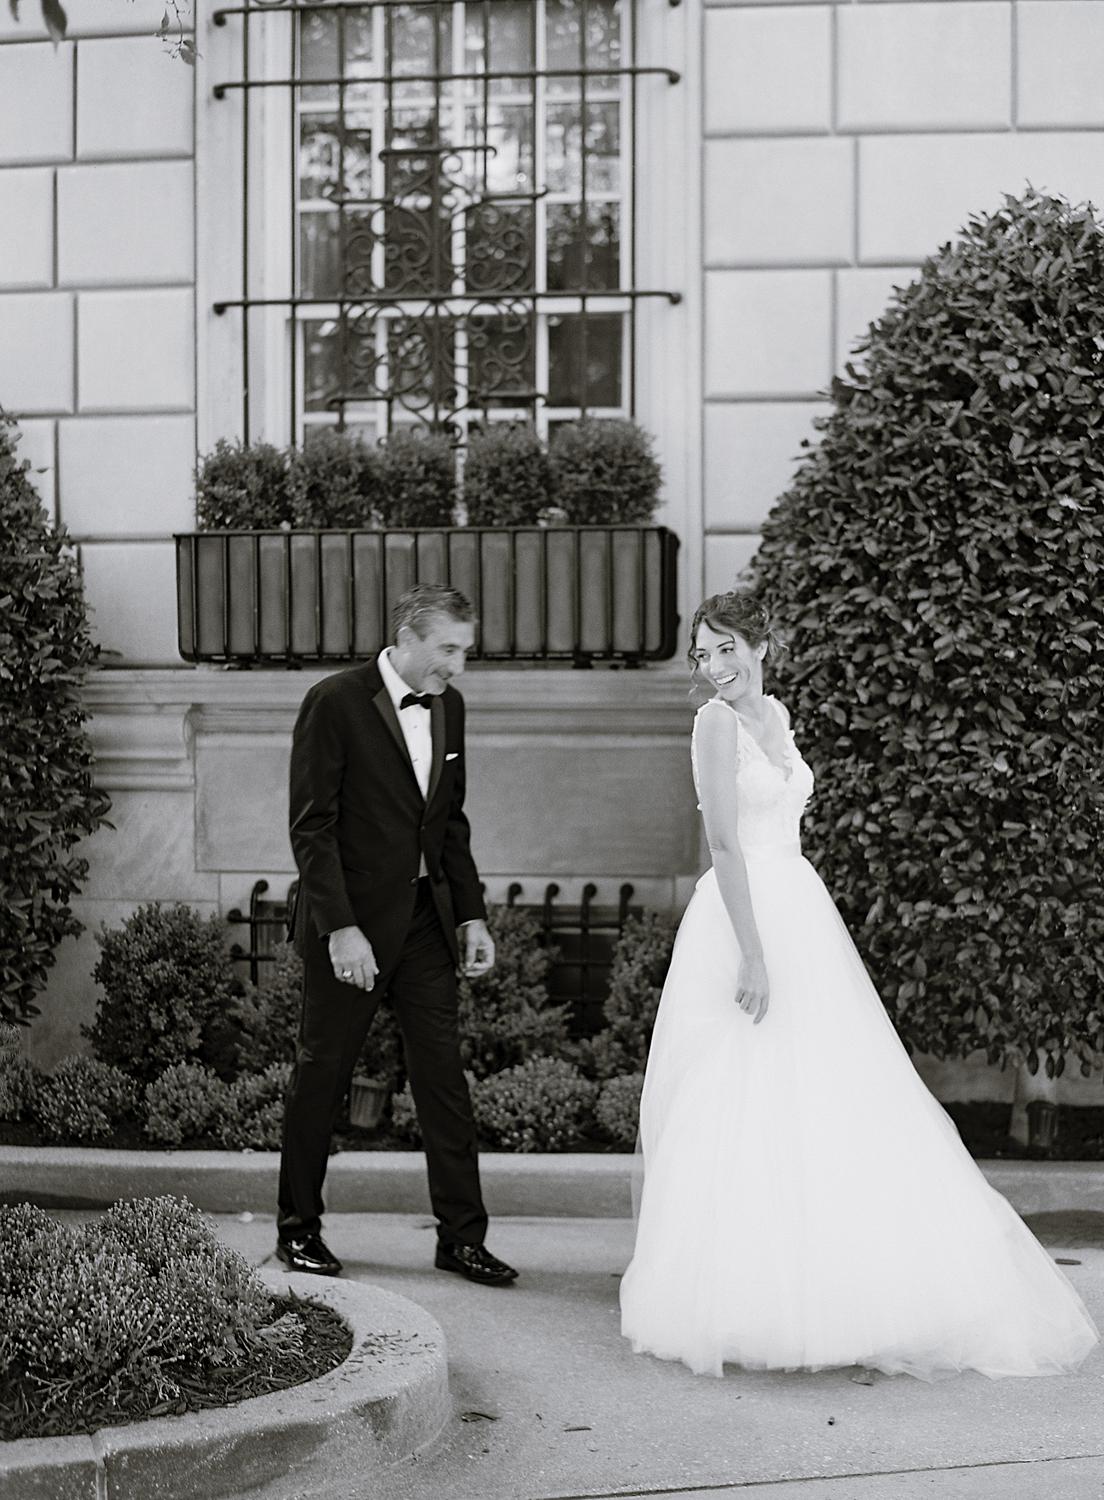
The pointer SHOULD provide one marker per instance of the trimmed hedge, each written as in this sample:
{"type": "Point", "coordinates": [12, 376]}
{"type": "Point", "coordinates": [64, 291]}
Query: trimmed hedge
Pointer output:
{"type": "Point", "coordinates": [938, 560]}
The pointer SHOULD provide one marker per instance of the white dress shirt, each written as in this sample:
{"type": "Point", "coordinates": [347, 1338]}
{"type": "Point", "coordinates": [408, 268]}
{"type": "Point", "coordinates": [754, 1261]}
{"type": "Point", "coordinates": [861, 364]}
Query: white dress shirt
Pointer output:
{"type": "Point", "coordinates": [414, 722]}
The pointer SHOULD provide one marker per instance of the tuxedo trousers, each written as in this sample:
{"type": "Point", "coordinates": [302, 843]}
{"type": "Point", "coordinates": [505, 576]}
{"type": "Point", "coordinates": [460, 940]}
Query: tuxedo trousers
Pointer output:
{"type": "Point", "coordinates": [421, 987]}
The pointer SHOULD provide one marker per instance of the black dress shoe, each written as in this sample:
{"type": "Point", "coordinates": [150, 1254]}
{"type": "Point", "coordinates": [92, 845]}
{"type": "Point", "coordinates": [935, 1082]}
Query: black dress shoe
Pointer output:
{"type": "Point", "coordinates": [308, 1254]}
{"type": "Point", "coordinates": [476, 1263]}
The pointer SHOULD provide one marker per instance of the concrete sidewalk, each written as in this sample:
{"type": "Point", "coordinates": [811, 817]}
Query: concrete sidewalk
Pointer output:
{"type": "Point", "coordinates": [550, 1404]}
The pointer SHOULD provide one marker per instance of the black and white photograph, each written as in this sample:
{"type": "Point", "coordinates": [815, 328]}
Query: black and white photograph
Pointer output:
{"type": "Point", "coordinates": [551, 749]}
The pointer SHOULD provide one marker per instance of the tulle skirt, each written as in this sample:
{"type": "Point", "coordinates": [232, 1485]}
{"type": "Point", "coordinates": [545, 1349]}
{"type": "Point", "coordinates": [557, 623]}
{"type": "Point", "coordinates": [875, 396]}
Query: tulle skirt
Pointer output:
{"type": "Point", "coordinates": [806, 1203]}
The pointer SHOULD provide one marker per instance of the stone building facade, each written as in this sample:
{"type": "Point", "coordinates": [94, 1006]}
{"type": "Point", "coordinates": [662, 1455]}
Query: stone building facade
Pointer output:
{"type": "Point", "coordinates": [806, 159]}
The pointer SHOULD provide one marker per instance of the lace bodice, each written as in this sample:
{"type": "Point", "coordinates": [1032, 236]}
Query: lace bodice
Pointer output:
{"type": "Point", "coordinates": [769, 800]}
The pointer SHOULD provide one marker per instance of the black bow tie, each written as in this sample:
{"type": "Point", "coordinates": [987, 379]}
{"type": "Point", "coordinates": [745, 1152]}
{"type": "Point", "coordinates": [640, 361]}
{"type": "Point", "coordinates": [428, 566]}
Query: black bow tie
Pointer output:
{"type": "Point", "coordinates": [417, 700]}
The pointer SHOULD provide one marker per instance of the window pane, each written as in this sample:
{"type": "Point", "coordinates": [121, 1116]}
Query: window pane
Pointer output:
{"type": "Point", "coordinates": [321, 158]}
{"type": "Point", "coordinates": [507, 166]}
{"type": "Point", "coordinates": [499, 247]}
{"type": "Point", "coordinates": [564, 26]}
{"type": "Point", "coordinates": [498, 36]}
{"type": "Point", "coordinates": [502, 359]}
{"type": "Point", "coordinates": [422, 358]}
{"type": "Point", "coordinates": [564, 148]}
{"type": "Point", "coordinates": [584, 360]}
{"type": "Point", "coordinates": [418, 45]}
{"type": "Point", "coordinates": [576, 261]}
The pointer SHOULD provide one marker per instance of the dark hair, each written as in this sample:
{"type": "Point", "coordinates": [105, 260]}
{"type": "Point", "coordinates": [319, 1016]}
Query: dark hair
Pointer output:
{"type": "Point", "coordinates": [417, 605]}
{"type": "Point", "coordinates": [740, 612]}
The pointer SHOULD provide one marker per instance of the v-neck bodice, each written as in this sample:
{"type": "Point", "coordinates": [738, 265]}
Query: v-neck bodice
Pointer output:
{"type": "Point", "coordinates": [770, 798]}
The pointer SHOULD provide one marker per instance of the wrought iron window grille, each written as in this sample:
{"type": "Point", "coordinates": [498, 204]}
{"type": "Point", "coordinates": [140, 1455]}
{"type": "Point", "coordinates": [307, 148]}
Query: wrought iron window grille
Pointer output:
{"type": "Point", "coordinates": [584, 935]}
{"type": "Point", "coordinates": [424, 285]}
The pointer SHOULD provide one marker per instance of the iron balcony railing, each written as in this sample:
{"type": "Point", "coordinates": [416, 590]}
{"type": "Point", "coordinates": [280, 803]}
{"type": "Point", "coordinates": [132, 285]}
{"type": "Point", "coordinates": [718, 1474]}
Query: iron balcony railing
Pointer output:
{"type": "Point", "coordinates": [542, 594]}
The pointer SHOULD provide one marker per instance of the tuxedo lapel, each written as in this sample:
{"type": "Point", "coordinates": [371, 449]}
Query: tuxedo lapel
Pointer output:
{"type": "Point", "coordinates": [386, 709]}
{"type": "Point", "coordinates": [437, 730]}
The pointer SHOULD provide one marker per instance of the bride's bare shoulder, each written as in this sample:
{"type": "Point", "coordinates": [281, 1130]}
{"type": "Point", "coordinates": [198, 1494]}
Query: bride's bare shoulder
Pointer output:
{"type": "Point", "coordinates": [715, 722]}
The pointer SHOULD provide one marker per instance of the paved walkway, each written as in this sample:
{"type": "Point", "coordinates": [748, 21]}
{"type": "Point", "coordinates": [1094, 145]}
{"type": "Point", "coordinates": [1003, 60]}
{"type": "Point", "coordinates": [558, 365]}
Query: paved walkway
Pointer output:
{"type": "Point", "coordinates": [550, 1404]}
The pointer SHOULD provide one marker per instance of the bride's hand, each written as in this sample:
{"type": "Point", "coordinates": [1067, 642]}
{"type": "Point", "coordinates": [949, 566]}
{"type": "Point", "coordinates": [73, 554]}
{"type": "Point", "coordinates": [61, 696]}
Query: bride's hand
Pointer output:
{"type": "Point", "coordinates": [753, 988]}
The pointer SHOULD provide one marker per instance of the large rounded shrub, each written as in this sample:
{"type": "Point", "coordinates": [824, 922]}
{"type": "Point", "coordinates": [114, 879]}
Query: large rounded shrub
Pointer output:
{"type": "Point", "coordinates": [49, 801]}
{"type": "Point", "coordinates": [938, 559]}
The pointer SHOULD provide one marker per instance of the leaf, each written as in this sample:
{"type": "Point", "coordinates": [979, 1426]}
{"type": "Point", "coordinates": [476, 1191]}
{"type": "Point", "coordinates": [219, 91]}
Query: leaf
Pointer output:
{"type": "Point", "coordinates": [53, 14]}
{"type": "Point", "coordinates": [477, 1416]}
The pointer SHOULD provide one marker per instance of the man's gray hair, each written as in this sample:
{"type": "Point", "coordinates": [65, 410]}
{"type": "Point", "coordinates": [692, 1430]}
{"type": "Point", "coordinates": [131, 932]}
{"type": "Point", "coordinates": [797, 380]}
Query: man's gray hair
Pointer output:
{"type": "Point", "coordinates": [418, 605]}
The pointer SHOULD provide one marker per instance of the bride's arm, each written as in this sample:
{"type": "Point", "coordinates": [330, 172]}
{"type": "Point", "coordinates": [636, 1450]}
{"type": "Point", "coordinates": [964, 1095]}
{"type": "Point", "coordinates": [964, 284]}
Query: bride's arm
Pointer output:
{"type": "Point", "coordinates": [716, 748]}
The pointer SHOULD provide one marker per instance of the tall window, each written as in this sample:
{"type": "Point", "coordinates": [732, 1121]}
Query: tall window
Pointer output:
{"type": "Point", "coordinates": [463, 211]}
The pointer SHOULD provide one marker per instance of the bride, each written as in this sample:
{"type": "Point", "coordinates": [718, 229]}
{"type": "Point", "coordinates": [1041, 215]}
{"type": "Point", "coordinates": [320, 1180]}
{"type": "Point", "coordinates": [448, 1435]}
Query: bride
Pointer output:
{"type": "Point", "coordinates": [806, 1202]}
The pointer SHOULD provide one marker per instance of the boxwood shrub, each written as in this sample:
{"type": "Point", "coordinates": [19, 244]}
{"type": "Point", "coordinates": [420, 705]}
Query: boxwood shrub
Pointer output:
{"type": "Point", "coordinates": [167, 991]}
{"type": "Point", "coordinates": [938, 560]}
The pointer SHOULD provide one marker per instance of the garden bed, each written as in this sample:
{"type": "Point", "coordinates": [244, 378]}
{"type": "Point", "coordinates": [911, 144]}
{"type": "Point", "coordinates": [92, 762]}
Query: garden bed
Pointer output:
{"type": "Point", "coordinates": [982, 1126]}
{"type": "Point", "coordinates": [327, 1341]}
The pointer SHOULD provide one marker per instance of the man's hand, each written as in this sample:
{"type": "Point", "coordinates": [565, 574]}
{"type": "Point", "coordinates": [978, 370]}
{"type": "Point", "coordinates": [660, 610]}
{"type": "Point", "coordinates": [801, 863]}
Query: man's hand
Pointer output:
{"type": "Point", "coordinates": [479, 950]}
{"type": "Point", "coordinates": [352, 957]}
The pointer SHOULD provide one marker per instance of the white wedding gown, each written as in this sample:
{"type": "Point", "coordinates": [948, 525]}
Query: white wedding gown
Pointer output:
{"type": "Point", "coordinates": [806, 1202]}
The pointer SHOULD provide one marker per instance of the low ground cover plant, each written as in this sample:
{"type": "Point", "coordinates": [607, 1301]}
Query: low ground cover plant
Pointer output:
{"type": "Point", "coordinates": [140, 1313]}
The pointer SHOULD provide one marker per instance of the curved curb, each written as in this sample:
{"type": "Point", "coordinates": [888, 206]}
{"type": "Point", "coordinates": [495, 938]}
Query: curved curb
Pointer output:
{"type": "Point", "coordinates": [388, 1400]}
{"type": "Point", "coordinates": [567, 1185]}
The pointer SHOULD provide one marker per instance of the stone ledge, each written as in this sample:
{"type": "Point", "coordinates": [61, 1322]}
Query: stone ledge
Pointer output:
{"type": "Point", "coordinates": [580, 1185]}
{"type": "Point", "coordinates": [375, 1409]}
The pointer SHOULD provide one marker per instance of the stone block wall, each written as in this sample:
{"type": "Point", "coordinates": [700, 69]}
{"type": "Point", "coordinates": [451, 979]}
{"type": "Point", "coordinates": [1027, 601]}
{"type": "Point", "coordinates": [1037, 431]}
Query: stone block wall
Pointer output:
{"type": "Point", "coordinates": [97, 300]}
{"type": "Point", "coordinates": [844, 142]}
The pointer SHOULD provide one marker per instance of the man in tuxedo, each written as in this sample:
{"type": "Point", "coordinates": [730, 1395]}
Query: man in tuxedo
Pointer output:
{"type": "Point", "coordinates": [389, 904]}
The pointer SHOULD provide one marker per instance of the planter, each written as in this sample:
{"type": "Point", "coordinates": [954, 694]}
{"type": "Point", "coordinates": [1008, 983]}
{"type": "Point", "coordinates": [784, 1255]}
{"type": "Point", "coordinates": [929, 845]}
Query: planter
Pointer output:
{"type": "Point", "coordinates": [576, 594]}
{"type": "Point", "coordinates": [367, 1096]}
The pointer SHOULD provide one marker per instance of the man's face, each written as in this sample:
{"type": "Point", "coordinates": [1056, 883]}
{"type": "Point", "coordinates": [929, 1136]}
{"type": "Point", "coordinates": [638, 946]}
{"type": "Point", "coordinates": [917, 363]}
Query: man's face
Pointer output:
{"type": "Point", "coordinates": [429, 662]}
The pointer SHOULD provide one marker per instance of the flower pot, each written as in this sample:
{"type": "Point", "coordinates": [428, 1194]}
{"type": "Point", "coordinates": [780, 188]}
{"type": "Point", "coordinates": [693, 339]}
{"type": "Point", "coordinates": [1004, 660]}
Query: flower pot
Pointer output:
{"type": "Point", "coordinates": [576, 594]}
{"type": "Point", "coordinates": [367, 1096]}
{"type": "Point", "coordinates": [1042, 1126]}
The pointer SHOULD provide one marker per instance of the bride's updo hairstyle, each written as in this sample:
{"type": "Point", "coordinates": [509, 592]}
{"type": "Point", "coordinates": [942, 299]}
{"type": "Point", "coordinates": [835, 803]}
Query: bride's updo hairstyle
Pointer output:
{"type": "Point", "coordinates": [740, 613]}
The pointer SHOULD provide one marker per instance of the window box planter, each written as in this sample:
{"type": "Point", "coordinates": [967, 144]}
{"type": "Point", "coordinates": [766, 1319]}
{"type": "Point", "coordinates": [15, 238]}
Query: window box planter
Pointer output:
{"type": "Point", "coordinates": [576, 594]}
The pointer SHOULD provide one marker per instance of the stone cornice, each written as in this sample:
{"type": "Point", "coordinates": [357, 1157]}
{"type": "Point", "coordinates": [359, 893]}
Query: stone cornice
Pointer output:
{"type": "Point", "coordinates": [172, 705]}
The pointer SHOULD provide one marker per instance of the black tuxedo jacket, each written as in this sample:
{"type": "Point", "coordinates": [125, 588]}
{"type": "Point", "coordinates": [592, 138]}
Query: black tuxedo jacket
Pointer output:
{"type": "Point", "coordinates": [359, 823]}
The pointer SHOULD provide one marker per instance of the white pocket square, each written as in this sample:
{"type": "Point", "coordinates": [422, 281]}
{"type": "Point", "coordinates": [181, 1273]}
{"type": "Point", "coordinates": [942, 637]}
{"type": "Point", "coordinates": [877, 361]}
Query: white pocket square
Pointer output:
{"type": "Point", "coordinates": [452, 755]}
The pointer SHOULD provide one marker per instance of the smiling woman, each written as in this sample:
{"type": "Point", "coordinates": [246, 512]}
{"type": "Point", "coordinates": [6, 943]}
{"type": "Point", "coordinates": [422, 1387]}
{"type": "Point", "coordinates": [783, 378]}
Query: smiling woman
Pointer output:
{"type": "Point", "coordinates": [777, 1230]}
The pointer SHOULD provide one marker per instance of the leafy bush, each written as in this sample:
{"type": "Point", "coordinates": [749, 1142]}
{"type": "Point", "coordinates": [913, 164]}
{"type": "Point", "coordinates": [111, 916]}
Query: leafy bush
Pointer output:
{"type": "Point", "coordinates": [83, 1100]}
{"type": "Point", "coordinates": [335, 480]}
{"type": "Point", "coordinates": [382, 1055]}
{"type": "Point", "coordinates": [937, 560]}
{"type": "Point", "coordinates": [617, 1111]}
{"type": "Point", "coordinates": [544, 1104]}
{"type": "Point", "coordinates": [19, 1078]}
{"type": "Point", "coordinates": [187, 1103]}
{"type": "Point", "coordinates": [604, 472]}
{"type": "Point", "coordinates": [640, 963]}
{"type": "Point", "coordinates": [267, 1015]}
{"type": "Point", "coordinates": [404, 1117]}
{"type": "Point", "coordinates": [253, 1113]}
{"type": "Point", "coordinates": [505, 1015]}
{"type": "Point", "coordinates": [417, 479]}
{"type": "Point", "coordinates": [507, 475]}
{"type": "Point", "coordinates": [46, 786]}
{"type": "Point", "coordinates": [117, 1313]}
{"type": "Point", "coordinates": [167, 990]}
{"type": "Point", "coordinates": [244, 487]}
